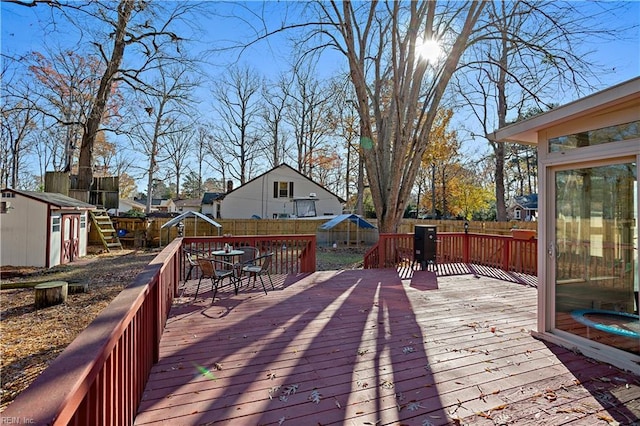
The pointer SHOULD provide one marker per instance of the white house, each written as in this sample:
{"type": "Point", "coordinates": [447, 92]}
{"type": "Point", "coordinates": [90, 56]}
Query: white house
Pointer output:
{"type": "Point", "coordinates": [524, 207]}
{"type": "Point", "coordinates": [125, 205]}
{"type": "Point", "coordinates": [211, 203]}
{"type": "Point", "coordinates": [42, 229]}
{"type": "Point", "coordinates": [588, 156]}
{"type": "Point", "coordinates": [280, 192]}
{"type": "Point", "coordinates": [160, 205]}
{"type": "Point", "coordinates": [188, 205]}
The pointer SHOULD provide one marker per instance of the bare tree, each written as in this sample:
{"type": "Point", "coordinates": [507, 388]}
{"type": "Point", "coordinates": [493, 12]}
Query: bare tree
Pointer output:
{"type": "Point", "coordinates": [66, 82]}
{"type": "Point", "coordinates": [275, 99]}
{"type": "Point", "coordinates": [529, 53]}
{"type": "Point", "coordinates": [201, 139]}
{"type": "Point", "coordinates": [177, 146]}
{"type": "Point", "coordinates": [238, 129]}
{"type": "Point", "coordinates": [144, 27]}
{"type": "Point", "coordinates": [398, 92]}
{"type": "Point", "coordinates": [347, 129]}
{"type": "Point", "coordinates": [19, 117]}
{"type": "Point", "coordinates": [308, 114]}
{"type": "Point", "coordinates": [160, 113]}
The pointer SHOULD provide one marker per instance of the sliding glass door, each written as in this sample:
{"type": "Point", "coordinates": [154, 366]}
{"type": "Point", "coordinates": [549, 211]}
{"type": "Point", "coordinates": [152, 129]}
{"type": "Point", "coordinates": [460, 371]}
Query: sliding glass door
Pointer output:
{"type": "Point", "coordinates": [596, 254]}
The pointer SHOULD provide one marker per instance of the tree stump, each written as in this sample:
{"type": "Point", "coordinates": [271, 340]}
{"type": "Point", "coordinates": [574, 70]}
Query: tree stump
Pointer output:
{"type": "Point", "coordinates": [51, 293]}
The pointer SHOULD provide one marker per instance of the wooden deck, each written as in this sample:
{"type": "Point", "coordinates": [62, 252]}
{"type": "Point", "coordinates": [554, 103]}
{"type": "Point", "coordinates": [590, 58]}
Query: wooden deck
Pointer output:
{"type": "Point", "coordinates": [363, 347]}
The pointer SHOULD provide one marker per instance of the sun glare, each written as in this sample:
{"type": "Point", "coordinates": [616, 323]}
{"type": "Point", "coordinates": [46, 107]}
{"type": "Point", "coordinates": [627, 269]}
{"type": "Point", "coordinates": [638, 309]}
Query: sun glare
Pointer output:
{"type": "Point", "coordinates": [429, 50]}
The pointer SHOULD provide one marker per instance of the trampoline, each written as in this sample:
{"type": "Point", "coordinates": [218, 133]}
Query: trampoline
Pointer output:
{"type": "Point", "coordinates": [619, 323]}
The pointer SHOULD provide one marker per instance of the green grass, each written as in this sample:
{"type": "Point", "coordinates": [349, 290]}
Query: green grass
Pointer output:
{"type": "Point", "coordinates": [328, 259]}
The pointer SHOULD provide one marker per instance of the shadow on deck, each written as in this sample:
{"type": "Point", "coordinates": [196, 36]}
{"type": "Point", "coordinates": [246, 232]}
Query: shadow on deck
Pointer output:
{"type": "Point", "coordinates": [370, 347]}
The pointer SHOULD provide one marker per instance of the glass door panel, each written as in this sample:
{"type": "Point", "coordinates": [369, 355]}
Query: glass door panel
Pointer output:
{"type": "Point", "coordinates": [596, 262]}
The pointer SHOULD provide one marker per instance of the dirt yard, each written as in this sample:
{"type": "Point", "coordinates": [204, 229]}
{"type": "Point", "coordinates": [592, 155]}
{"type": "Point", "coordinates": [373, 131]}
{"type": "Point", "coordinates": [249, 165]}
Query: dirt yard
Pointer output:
{"type": "Point", "coordinates": [30, 339]}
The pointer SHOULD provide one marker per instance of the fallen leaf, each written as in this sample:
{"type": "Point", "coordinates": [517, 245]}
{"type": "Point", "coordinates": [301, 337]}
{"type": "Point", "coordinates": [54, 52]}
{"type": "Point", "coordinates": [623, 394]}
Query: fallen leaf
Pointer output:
{"type": "Point", "coordinates": [386, 384]}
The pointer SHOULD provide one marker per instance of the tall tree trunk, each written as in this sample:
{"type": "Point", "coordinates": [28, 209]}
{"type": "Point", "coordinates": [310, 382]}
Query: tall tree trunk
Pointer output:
{"type": "Point", "coordinates": [433, 191]}
{"type": "Point", "coordinates": [498, 147]}
{"type": "Point", "coordinates": [85, 162]}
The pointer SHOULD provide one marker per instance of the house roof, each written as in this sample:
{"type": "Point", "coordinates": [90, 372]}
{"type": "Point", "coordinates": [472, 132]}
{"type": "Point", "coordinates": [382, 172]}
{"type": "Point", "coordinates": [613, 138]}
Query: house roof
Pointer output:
{"type": "Point", "coordinates": [53, 199]}
{"type": "Point", "coordinates": [156, 201]}
{"type": "Point", "coordinates": [132, 203]}
{"type": "Point", "coordinates": [210, 197]}
{"type": "Point", "coordinates": [188, 202]}
{"type": "Point", "coordinates": [294, 170]}
{"type": "Point", "coordinates": [526, 131]}
{"type": "Point", "coordinates": [529, 202]}
{"type": "Point", "coordinates": [342, 217]}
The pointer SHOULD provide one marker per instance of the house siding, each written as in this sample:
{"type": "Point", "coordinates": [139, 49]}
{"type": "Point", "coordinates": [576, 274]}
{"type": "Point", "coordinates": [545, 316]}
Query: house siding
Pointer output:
{"type": "Point", "coordinates": [24, 228]}
{"type": "Point", "coordinates": [26, 233]}
{"type": "Point", "coordinates": [256, 197]}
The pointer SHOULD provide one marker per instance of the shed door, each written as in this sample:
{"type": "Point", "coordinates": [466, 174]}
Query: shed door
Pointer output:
{"type": "Point", "coordinates": [70, 237]}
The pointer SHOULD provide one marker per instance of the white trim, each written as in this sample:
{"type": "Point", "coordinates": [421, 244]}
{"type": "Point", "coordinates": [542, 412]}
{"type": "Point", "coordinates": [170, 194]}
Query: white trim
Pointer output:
{"type": "Point", "coordinates": [619, 358]}
{"type": "Point", "coordinates": [526, 131]}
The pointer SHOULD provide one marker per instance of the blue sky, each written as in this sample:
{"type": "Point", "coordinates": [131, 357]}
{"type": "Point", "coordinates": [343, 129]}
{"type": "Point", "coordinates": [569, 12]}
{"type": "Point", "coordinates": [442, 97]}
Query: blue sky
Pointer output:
{"type": "Point", "coordinates": [22, 31]}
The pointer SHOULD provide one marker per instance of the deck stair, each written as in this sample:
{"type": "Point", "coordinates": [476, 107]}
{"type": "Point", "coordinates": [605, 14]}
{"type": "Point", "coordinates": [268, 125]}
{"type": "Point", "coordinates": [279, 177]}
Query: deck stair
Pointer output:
{"type": "Point", "coordinates": [107, 232]}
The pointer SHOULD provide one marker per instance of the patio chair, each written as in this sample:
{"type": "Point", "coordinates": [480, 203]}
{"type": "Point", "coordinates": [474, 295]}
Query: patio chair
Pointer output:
{"type": "Point", "coordinates": [258, 269]}
{"type": "Point", "coordinates": [191, 261]}
{"type": "Point", "coordinates": [249, 256]}
{"type": "Point", "coordinates": [216, 270]}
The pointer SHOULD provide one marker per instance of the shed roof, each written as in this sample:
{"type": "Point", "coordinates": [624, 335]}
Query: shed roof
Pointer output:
{"type": "Point", "coordinates": [342, 217]}
{"type": "Point", "coordinates": [53, 199]}
{"type": "Point", "coordinates": [187, 214]}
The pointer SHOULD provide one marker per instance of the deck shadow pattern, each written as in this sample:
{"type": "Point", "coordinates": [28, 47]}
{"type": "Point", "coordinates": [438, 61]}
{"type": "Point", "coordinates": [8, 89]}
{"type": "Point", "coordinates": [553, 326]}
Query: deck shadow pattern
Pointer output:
{"type": "Point", "coordinates": [364, 347]}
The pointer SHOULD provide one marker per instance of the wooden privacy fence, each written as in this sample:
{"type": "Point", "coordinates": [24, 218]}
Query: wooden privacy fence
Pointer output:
{"type": "Point", "coordinates": [147, 231]}
{"type": "Point", "coordinates": [497, 251]}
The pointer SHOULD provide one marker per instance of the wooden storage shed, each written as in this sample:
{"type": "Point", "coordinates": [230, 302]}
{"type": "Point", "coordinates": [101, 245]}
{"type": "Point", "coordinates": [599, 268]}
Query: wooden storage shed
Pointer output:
{"type": "Point", "coordinates": [42, 229]}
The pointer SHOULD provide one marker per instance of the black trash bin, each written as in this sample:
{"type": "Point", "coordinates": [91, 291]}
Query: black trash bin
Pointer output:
{"type": "Point", "coordinates": [425, 248]}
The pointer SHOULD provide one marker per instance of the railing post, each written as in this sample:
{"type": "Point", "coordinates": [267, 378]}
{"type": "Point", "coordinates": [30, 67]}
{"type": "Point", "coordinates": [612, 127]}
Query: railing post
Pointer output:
{"type": "Point", "coordinates": [466, 249]}
{"type": "Point", "coordinates": [382, 251]}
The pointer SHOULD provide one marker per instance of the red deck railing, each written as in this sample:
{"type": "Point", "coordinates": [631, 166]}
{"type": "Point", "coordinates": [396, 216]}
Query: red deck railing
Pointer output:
{"type": "Point", "coordinates": [497, 251]}
{"type": "Point", "coordinates": [292, 254]}
{"type": "Point", "coordinates": [99, 378]}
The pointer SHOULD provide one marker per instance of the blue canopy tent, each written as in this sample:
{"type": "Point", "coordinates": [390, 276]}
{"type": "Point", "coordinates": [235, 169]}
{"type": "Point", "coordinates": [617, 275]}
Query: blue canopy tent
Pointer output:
{"type": "Point", "coordinates": [338, 229]}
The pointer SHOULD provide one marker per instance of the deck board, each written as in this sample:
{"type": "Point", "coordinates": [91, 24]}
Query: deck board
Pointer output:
{"type": "Point", "coordinates": [375, 349]}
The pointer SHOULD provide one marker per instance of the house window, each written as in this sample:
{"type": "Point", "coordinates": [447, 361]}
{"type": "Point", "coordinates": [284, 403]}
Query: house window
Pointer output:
{"type": "Point", "coordinates": [83, 222]}
{"type": "Point", "coordinates": [518, 214]}
{"type": "Point", "coordinates": [55, 224]}
{"type": "Point", "coordinates": [8, 195]}
{"type": "Point", "coordinates": [282, 189]}
{"type": "Point", "coordinates": [620, 132]}
{"type": "Point", "coordinates": [305, 208]}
